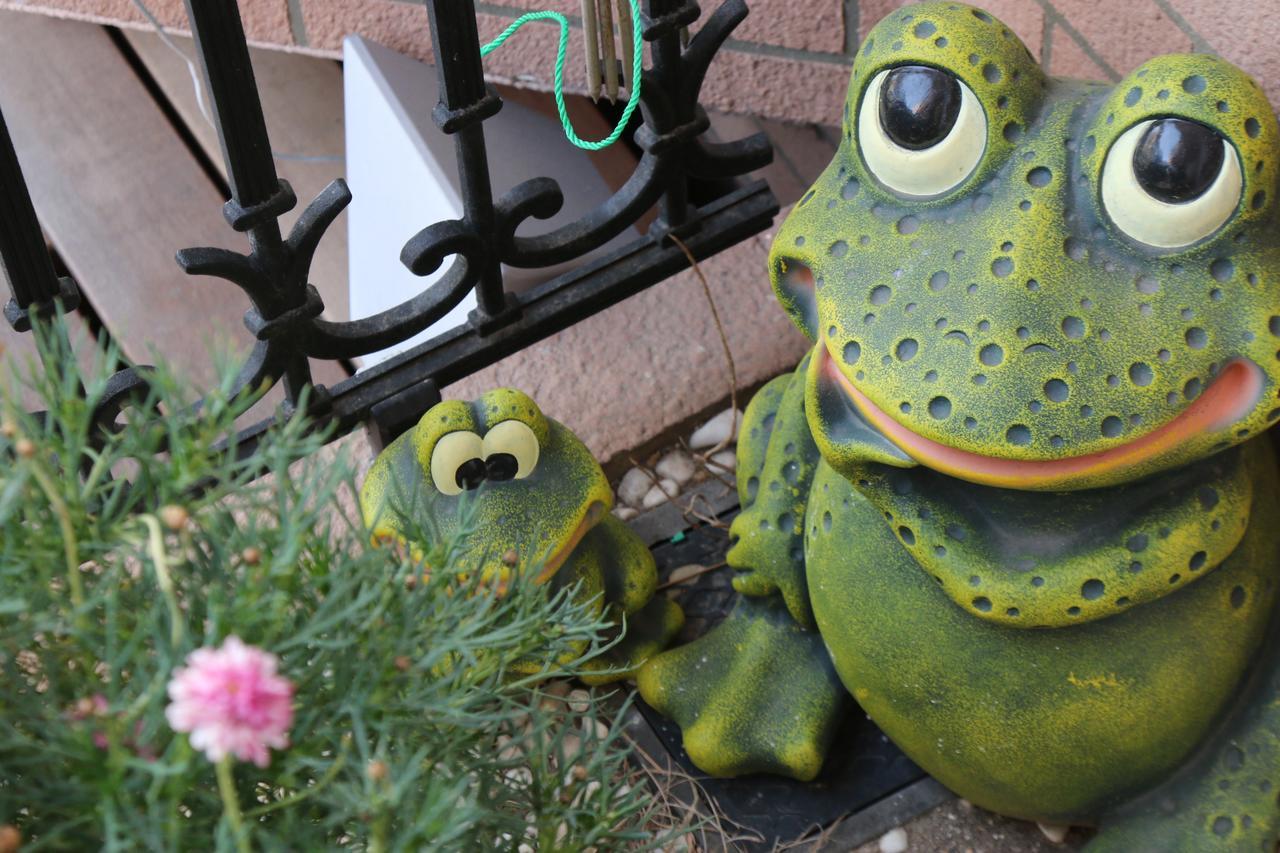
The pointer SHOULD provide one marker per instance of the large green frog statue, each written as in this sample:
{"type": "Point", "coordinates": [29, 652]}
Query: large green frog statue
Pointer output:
{"type": "Point", "coordinates": [529, 497]}
{"type": "Point", "coordinates": [1017, 501]}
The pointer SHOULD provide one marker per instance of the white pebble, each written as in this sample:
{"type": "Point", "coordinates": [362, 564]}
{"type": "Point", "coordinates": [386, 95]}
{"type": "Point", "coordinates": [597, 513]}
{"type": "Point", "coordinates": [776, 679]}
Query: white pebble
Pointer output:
{"type": "Point", "coordinates": [724, 462]}
{"type": "Point", "coordinates": [1055, 832]}
{"type": "Point", "coordinates": [660, 494]}
{"type": "Point", "coordinates": [579, 701]}
{"type": "Point", "coordinates": [894, 841]}
{"type": "Point", "coordinates": [676, 465]}
{"type": "Point", "coordinates": [723, 427]}
{"type": "Point", "coordinates": [625, 513]}
{"type": "Point", "coordinates": [684, 573]}
{"type": "Point", "coordinates": [635, 483]}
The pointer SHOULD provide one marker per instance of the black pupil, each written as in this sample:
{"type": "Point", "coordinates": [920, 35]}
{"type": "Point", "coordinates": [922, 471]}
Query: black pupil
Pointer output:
{"type": "Point", "coordinates": [470, 474]}
{"type": "Point", "coordinates": [501, 466]}
{"type": "Point", "coordinates": [1177, 160]}
{"type": "Point", "coordinates": [918, 106]}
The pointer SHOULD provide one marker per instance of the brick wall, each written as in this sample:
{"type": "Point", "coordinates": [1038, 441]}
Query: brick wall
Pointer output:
{"type": "Point", "coordinates": [790, 58]}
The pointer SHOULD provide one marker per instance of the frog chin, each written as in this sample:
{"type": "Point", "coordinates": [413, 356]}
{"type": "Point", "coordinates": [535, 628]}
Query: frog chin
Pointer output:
{"type": "Point", "coordinates": [1229, 398]}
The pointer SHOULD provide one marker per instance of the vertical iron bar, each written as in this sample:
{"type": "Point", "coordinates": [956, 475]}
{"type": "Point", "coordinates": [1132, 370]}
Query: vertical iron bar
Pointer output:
{"type": "Point", "coordinates": [24, 259]}
{"type": "Point", "coordinates": [465, 102]}
{"type": "Point", "coordinates": [242, 130]}
{"type": "Point", "coordinates": [665, 52]}
{"type": "Point", "coordinates": [258, 196]}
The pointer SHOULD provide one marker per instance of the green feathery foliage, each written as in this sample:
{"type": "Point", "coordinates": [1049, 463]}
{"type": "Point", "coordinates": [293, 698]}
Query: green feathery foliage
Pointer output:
{"type": "Point", "coordinates": [122, 553]}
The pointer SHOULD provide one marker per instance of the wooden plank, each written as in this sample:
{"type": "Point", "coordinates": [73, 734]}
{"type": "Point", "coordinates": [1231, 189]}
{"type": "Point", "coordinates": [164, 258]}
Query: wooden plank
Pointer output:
{"type": "Point", "coordinates": [302, 102]}
{"type": "Point", "coordinates": [118, 193]}
{"type": "Point", "coordinates": [18, 354]}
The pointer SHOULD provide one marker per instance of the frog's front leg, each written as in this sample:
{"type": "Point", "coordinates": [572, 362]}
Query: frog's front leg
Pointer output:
{"type": "Point", "coordinates": [777, 461]}
{"type": "Point", "coordinates": [758, 693]}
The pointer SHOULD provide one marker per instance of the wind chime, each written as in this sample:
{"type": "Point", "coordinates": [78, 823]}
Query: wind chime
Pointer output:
{"type": "Point", "coordinates": [604, 76]}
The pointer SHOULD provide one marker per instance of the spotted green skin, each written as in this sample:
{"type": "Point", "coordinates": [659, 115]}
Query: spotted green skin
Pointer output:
{"type": "Point", "coordinates": [1102, 652]}
{"type": "Point", "coordinates": [559, 513]}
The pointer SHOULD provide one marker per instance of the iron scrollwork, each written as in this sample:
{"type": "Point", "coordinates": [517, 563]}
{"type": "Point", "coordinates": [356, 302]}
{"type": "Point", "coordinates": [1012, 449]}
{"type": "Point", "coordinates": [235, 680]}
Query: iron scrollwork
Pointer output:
{"type": "Point", "coordinates": [285, 316]}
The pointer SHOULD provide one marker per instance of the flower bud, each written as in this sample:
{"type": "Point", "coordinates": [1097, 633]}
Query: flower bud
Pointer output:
{"type": "Point", "coordinates": [251, 556]}
{"type": "Point", "coordinates": [376, 770]}
{"type": "Point", "coordinates": [173, 517]}
{"type": "Point", "coordinates": [25, 448]}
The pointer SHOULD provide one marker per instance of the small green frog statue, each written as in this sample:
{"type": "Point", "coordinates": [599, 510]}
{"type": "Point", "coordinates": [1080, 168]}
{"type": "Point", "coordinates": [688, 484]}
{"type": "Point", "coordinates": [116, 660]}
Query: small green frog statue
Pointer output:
{"type": "Point", "coordinates": [1017, 501]}
{"type": "Point", "coordinates": [531, 497]}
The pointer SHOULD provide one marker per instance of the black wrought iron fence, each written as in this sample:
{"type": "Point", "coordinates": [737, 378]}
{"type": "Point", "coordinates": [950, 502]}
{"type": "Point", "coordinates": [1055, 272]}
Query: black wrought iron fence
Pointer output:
{"type": "Point", "coordinates": [285, 309]}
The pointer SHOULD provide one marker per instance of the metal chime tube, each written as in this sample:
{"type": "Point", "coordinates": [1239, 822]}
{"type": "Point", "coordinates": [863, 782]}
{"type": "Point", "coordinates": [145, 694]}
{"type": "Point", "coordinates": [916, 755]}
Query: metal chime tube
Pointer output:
{"type": "Point", "coordinates": [24, 257]}
{"type": "Point", "coordinates": [242, 131]}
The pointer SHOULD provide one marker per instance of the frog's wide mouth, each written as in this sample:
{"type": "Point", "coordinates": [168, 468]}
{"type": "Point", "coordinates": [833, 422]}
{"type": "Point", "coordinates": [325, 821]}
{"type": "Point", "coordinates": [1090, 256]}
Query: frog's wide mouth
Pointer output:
{"type": "Point", "coordinates": [1231, 396]}
{"type": "Point", "coordinates": [591, 516]}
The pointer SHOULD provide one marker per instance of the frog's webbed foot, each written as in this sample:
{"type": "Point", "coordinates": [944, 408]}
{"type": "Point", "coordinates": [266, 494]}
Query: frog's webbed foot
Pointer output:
{"type": "Point", "coordinates": [756, 694]}
{"type": "Point", "coordinates": [1225, 798]}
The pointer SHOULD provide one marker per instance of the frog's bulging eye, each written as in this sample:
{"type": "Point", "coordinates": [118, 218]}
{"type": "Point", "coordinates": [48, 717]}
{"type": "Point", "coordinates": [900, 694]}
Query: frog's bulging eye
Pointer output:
{"type": "Point", "coordinates": [510, 451]}
{"type": "Point", "coordinates": [1170, 182]}
{"type": "Point", "coordinates": [918, 106]}
{"type": "Point", "coordinates": [456, 462]}
{"type": "Point", "coordinates": [921, 130]}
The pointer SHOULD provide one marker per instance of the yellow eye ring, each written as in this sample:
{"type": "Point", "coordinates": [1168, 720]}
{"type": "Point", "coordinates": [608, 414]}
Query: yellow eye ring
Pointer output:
{"type": "Point", "coordinates": [510, 442]}
{"type": "Point", "coordinates": [451, 462]}
{"type": "Point", "coordinates": [930, 171]}
{"type": "Point", "coordinates": [1159, 223]}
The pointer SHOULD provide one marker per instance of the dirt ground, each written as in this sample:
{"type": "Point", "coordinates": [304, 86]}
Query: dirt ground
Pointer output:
{"type": "Point", "coordinates": [960, 827]}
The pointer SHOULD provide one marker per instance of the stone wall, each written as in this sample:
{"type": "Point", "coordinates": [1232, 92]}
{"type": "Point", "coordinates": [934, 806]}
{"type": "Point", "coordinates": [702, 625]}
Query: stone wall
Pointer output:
{"type": "Point", "coordinates": [789, 60]}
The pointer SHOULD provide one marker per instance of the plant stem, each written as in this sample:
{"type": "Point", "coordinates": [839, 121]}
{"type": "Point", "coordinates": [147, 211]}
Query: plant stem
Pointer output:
{"type": "Point", "coordinates": [294, 799]}
{"type": "Point", "coordinates": [231, 804]}
{"type": "Point", "coordinates": [155, 547]}
{"type": "Point", "coordinates": [70, 549]}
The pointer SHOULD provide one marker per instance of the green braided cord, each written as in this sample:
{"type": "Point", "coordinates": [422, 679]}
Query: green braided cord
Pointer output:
{"type": "Point", "coordinates": [632, 102]}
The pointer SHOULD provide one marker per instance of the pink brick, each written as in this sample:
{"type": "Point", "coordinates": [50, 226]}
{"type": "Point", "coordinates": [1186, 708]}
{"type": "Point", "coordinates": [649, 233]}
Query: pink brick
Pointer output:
{"type": "Point", "coordinates": [265, 21]}
{"type": "Point", "coordinates": [799, 90]}
{"type": "Point", "coordinates": [1067, 59]}
{"type": "Point", "coordinates": [818, 25]}
{"type": "Point", "coordinates": [401, 26]}
{"type": "Point", "coordinates": [812, 25]}
{"type": "Point", "coordinates": [1245, 32]}
{"type": "Point", "coordinates": [1125, 35]}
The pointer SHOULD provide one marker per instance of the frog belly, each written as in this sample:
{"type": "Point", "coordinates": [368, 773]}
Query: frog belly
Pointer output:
{"type": "Point", "coordinates": [1060, 724]}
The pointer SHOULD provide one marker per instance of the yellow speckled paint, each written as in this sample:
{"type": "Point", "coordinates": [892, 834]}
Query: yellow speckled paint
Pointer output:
{"type": "Point", "coordinates": [1034, 523]}
{"type": "Point", "coordinates": [556, 520]}
{"type": "Point", "coordinates": [1055, 725]}
{"type": "Point", "coordinates": [1009, 317]}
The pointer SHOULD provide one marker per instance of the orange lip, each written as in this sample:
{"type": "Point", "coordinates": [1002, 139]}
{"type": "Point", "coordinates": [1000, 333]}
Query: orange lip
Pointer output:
{"type": "Point", "coordinates": [1230, 397]}
{"type": "Point", "coordinates": [590, 518]}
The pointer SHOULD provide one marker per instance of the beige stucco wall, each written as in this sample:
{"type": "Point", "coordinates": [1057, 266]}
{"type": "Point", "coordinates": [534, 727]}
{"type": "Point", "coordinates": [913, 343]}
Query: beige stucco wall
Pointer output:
{"type": "Point", "coordinates": [790, 58]}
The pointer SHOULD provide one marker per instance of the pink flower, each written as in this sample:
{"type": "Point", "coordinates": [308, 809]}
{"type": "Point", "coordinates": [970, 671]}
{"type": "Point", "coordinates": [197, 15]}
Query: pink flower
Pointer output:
{"type": "Point", "coordinates": [232, 702]}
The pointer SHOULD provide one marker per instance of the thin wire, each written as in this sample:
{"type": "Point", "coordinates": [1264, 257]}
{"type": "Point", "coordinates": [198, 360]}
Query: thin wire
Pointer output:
{"type": "Point", "coordinates": [637, 57]}
{"type": "Point", "coordinates": [191, 66]}
{"type": "Point", "coordinates": [198, 86]}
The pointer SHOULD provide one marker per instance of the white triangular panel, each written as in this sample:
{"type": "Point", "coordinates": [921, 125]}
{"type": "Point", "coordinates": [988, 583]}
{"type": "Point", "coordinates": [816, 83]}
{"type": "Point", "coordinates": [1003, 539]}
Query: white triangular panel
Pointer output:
{"type": "Point", "coordinates": [403, 176]}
